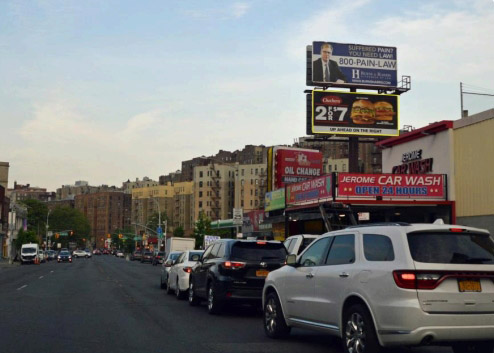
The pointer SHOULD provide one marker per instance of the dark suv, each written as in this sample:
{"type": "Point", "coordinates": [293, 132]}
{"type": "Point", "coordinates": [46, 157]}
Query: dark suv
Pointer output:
{"type": "Point", "coordinates": [233, 270]}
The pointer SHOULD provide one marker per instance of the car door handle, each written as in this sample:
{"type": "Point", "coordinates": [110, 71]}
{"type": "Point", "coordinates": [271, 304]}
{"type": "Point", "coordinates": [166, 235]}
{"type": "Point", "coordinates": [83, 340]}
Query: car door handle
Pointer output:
{"type": "Point", "coordinates": [310, 275]}
{"type": "Point", "coordinates": [344, 274]}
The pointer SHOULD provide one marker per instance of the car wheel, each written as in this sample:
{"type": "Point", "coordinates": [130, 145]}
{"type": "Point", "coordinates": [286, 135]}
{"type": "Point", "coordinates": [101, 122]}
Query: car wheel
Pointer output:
{"type": "Point", "coordinates": [193, 299]}
{"type": "Point", "coordinates": [214, 305]}
{"type": "Point", "coordinates": [473, 347]}
{"type": "Point", "coordinates": [359, 335]}
{"type": "Point", "coordinates": [168, 288]}
{"type": "Point", "coordinates": [274, 320]}
{"type": "Point", "coordinates": [178, 293]}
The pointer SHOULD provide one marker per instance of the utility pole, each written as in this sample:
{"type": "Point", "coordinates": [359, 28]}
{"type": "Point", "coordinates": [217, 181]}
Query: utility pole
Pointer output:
{"type": "Point", "coordinates": [46, 235]}
{"type": "Point", "coordinates": [159, 223]}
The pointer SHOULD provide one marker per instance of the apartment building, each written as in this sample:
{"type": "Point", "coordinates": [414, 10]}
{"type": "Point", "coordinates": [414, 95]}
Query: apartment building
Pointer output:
{"type": "Point", "coordinates": [149, 200]}
{"type": "Point", "coordinates": [106, 212]}
{"type": "Point", "coordinates": [250, 186]}
{"type": "Point", "coordinates": [182, 213]}
{"type": "Point", "coordinates": [214, 189]}
{"type": "Point", "coordinates": [128, 186]}
{"type": "Point", "coordinates": [4, 174]}
{"type": "Point", "coordinates": [82, 187]}
{"type": "Point", "coordinates": [27, 192]}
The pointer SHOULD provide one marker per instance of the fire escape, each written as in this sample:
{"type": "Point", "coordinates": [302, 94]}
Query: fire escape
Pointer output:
{"type": "Point", "coordinates": [215, 192]}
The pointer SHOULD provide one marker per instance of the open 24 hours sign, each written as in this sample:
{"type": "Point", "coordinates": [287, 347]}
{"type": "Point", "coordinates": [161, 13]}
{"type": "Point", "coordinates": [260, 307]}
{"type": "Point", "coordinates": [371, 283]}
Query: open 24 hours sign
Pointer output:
{"type": "Point", "coordinates": [391, 186]}
{"type": "Point", "coordinates": [353, 113]}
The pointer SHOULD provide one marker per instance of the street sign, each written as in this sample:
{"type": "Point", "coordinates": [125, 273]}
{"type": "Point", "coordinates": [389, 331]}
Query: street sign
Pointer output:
{"type": "Point", "coordinates": [49, 233]}
{"type": "Point", "coordinates": [238, 216]}
{"type": "Point", "coordinates": [64, 234]}
{"type": "Point", "coordinates": [159, 231]}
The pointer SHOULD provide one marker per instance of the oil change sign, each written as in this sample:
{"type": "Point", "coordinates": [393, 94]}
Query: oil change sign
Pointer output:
{"type": "Point", "coordinates": [390, 186]}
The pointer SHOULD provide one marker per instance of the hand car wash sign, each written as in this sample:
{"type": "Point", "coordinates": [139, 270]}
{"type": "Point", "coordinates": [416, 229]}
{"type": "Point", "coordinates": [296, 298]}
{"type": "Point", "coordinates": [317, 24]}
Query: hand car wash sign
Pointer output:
{"type": "Point", "coordinates": [295, 165]}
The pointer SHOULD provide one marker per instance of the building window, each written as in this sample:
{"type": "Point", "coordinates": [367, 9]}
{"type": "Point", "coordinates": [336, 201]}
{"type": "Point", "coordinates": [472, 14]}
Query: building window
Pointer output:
{"type": "Point", "coordinates": [242, 182]}
{"type": "Point", "coordinates": [243, 172]}
{"type": "Point", "coordinates": [251, 203]}
{"type": "Point", "coordinates": [251, 181]}
{"type": "Point", "coordinates": [200, 204]}
{"type": "Point", "coordinates": [330, 168]}
{"type": "Point", "coordinates": [257, 181]}
{"type": "Point", "coordinates": [242, 203]}
{"type": "Point", "coordinates": [257, 170]}
{"type": "Point", "coordinates": [336, 167]}
{"type": "Point", "coordinates": [251, 192]}
{"type": "Point", "coordinates": [200, 193]}
{"type": "Point", "coordinates": [257, 192]}
{"type": "Point", "coordinates": [200, 184]}
{"type": "Point", "coordinates": [257, 203]}
{"type": "Point", "coordinates": [200, 174]}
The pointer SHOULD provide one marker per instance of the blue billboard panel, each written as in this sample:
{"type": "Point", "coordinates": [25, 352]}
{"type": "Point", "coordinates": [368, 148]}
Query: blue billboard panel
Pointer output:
{"type": "Point", "coordinates": [353, 64]}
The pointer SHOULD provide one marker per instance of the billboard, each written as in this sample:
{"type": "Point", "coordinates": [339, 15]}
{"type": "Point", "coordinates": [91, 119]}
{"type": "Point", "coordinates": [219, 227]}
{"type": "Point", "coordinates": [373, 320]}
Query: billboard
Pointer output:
{"type": "Point", "coordinates": [295, 164]}
{"type": "Point", "coordinates": [353, 113]}
{"type": "Point", "coordinates": [309, 191]}
{"type": "Point", "coordinates": [274, 200]}
{"type": "Point", "coordinates": [353, 65]}
{"type": "Point", "coordinates": [391, 187]}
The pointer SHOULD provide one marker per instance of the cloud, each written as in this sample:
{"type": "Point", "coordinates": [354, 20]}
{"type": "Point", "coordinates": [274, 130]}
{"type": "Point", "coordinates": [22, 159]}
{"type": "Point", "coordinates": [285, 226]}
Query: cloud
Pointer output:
{"type": "Point", "coordinates": [239, 9]}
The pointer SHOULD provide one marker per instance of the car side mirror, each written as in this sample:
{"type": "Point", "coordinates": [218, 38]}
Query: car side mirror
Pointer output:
{"type": "Point", "coordinates": [169, 263]}
{"type": "Point", "coordinates": [291, 260]}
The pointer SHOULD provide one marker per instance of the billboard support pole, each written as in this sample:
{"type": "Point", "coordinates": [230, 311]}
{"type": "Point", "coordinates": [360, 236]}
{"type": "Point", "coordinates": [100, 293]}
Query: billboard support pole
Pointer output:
{"type": "Point", "coordinates": [353, 150]}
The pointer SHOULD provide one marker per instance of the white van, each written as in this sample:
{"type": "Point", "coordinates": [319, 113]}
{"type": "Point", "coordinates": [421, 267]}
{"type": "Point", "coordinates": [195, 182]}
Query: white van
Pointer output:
{"type": "Point", "coordinates": [29, 252]}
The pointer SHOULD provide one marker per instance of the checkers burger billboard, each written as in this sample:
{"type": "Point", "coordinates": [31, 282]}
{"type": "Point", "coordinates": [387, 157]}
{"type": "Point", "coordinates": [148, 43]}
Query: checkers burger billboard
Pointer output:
{"type": "Point", "coordinates": [351, 113]}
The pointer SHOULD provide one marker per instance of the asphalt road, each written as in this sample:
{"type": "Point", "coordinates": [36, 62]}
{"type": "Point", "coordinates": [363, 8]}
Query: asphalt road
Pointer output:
{"type": "Point", "coordinates": [107, 304]}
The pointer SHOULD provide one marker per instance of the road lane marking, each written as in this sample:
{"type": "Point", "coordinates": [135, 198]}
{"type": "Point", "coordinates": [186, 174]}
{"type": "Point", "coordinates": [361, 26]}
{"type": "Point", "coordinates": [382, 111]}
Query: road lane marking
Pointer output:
{"type": "Point", "coordinates": [41, 277]}
{"type": "Point", "coordinates": [24, 286]}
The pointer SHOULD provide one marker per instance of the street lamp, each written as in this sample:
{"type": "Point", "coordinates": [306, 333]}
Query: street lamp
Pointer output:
{"type": "Point", "coordinates": [159, 222]}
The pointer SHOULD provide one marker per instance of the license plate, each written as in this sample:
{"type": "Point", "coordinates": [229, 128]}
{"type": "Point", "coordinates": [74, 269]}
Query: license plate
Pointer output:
{"type": "Point", "coordinates": [261, 273]}
{"type": "Point", "coordinates": [469, 285]}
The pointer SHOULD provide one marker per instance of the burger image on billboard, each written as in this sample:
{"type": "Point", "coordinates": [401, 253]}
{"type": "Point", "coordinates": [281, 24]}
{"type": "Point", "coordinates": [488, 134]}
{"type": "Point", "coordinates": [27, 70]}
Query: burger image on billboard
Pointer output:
{"type": "Point", "coordinates": [363, 112]}
{"type": "Point", "coordinates": [384, 111]}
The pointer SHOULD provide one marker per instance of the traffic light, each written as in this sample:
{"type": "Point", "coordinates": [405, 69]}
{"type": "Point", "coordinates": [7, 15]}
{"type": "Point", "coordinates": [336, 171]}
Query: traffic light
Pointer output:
{"type": "Point", "coordinates": [120, 236]}
{"type": "Point", "coordinates": [108, 235]}
{"type": "Point", "coordinates": [57, 235]}
{"type": "Point", "coordinates": [71, 232]}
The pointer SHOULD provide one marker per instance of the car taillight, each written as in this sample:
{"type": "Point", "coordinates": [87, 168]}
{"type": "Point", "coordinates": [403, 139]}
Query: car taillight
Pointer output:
{"type": "Point", "coordinates": [233, 265]}
{"type": "Point", "coordinates": [187, 269]}
{"type": "Point", "coordinates": [416, 280]}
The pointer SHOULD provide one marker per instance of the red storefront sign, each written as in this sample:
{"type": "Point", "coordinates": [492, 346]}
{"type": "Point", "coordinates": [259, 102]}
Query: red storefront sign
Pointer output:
{"type": "Point", "coordinates": [310, 190]}
{"type": "Point", "coordinates": [391, 186]}
{"type": "Point", "coordinates": [294, 165]}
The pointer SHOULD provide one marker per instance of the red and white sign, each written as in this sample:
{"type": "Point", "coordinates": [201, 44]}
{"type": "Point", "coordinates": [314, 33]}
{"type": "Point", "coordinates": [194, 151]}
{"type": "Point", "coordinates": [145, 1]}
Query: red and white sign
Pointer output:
{"type": "Point", "coordinates": [391, 186]}
{"type": "Point", "coordinates": [309, 191]}
{"type": "Point", "coordinates": [293, 165]}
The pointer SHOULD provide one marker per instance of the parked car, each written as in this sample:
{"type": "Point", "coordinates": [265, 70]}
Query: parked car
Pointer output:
{"type": "Point", "coordinates": [64, 256]}
{"type": "Point", "coordinates": [234, 270]}
{"type": "Point", "coordinates": [387, 285]}
{"type": "Point", "coordinates": [147, 256]}
{"type": "Point", "coordinates": [119, 253]}
{"type": "Point", "coordinates": [136, 255]}
{"type": "Point", "coordinates": [158, 257]}
{"type": "Point", "coordinates": [29, 253]}
{"type": "Point", "coordinates": [295, 244]}
{"type": "Point", "coordinates": [96, 252]}
{"type": "Point", "coordinates": [88, 252]}
{"type": "Point", "coordinates": [79, 253]}
{"type": "Point", "coordinates": [165, 269]}
{"type": "Point", "coordinates": [178, 278]}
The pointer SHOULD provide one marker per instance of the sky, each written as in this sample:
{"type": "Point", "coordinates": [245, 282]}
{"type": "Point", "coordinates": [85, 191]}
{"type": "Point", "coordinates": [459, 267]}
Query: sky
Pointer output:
{"type": "Point", "coordinates": [106, 91]}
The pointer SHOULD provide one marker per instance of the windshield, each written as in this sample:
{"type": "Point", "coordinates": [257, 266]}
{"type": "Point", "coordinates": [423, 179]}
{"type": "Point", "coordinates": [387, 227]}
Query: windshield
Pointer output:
{"type": "Point", "coordinates": [28, 250]}
{"type": "Point", "coordinates": [451, 248]}
{"type": "Point", "coordinates": [258, 251]}
{"type": "Point", "coordinates": [191, 254]}
{"type": "Point", "coordinates": [175, 256]}
{"type": "Point", "coordinates": [64, 253]}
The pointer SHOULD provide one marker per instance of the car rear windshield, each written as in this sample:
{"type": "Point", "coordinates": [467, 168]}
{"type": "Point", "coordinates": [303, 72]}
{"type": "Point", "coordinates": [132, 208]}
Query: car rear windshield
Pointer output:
{"type": "Point", "coordinates": [194, 253]}
{"type": "Point", "coordinates": [451, 248]}
{"type": "Point", "coordinates": [258, 251]}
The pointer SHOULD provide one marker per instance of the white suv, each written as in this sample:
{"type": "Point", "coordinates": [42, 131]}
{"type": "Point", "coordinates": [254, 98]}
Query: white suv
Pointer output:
{"type": "Point", "coordinates": [387, 285]}
{"type": "Point", "coordinates": [295, 244]}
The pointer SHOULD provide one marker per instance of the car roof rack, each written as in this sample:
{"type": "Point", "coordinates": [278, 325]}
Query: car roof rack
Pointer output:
{"type": "Point", "coordinates": [381, 224]}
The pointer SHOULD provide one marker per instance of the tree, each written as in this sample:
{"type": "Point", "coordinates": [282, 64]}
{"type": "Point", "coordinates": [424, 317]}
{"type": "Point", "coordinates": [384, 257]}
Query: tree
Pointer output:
{"type": "Point", "coordinates": [179, 232]}
{"type": "Point", "coordinates": [69, 219]}
{"type": "Point", "coordinates": [153, 221]}
{"type": "Point", "coordinates": [36, 216]}
{"type": "Point", "coordinates": [202, 227]}
{"type": "Point", "coordinates": [25, 237]}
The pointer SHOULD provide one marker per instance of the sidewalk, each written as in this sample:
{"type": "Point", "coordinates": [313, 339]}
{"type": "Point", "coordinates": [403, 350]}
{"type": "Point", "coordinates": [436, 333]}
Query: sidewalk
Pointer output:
{"type": "Point", "coordinates": [5, 263]}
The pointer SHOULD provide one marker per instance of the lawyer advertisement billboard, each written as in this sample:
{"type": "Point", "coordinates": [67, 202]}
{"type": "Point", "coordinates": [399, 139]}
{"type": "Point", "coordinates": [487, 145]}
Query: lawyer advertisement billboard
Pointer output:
{"type": "Point", "coordinates": [354, 113]}
{"type": "Point", "coordinates": [353, 65]}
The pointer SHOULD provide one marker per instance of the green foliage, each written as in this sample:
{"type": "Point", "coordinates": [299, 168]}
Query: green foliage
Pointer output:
{"type": "Point", "coordinates": [153, 221]}
{"type": "Point", "coordinates": [36, 215]}
{"type": "Point", "coordinates": [65, 219]}
{"type": "Point", "coordinates": [25, 237]}
{"type": "Point", "coordinates": [202, 227]}
{"type": "Point", "coordinates": [179, 232]}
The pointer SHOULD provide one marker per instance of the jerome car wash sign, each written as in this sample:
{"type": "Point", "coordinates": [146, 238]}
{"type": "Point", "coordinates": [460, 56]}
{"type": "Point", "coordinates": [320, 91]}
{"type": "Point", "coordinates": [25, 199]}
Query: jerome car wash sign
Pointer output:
{"type": "Point", "coordinates": [412, 163]}
{"type": "Point", "coordinates": [391, 186]}
{"type": "Point", "coordinates": [309, 191]}
{"type": "Point", "coordinates": [293, 165]}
